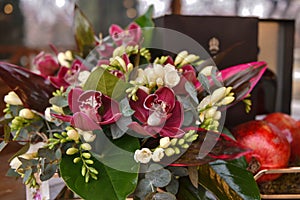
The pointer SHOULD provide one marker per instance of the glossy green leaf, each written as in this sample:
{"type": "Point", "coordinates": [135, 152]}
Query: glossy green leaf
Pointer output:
{"type": "Point", "coordinates": [228, 181]}
{"type": "Point", "coordinates": [188, 191]}
{"type": "Point", "coordinates": [145, 20]}
{"type": "Point", "coordinates": [108, 84]}
{"type": "Point", "coordinates": [84, 33]}
{"type": "Point", "coordinates": [111, 183]}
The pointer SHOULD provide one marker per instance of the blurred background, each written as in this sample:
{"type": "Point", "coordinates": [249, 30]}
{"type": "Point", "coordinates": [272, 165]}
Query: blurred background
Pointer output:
{"type": "Point", "coordinates": [27, 26]}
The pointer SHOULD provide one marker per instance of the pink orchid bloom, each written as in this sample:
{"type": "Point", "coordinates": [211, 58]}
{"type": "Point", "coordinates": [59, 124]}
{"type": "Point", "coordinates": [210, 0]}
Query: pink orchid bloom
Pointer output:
{"type": "Point", "coordinates": [91, 110]}
{"type": "Point", "coordinates": [46, 64]}
{"type": "Point", "coordinates": [67, 76]}
{"type": "Point", "coordinates": [130, 36]}
{"type": "Point", "coordinates": [158, 113]}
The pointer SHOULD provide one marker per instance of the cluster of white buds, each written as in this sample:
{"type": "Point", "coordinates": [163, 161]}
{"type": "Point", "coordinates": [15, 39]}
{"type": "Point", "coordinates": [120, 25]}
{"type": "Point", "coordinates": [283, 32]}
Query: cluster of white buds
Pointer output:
{"type": "Point", "coordinates": [157, 75]}
{"type": "Point", "coordinates": [167, 147]}
{"type": "Point", "coordinates": [208, 107]}
{"type": "Point", "coordinates": [119, 51]}
{"type": "Point", "coordinates": [120, 62]}
{"type": "Point", "coordinates": [184, 58]}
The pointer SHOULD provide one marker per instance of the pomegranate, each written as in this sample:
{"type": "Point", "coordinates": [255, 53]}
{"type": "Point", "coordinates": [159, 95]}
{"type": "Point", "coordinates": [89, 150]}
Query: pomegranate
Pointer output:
{"type": "Point", "coordinates": [288, 127]}
{"type": "Point", "coordinates": [270, 148]}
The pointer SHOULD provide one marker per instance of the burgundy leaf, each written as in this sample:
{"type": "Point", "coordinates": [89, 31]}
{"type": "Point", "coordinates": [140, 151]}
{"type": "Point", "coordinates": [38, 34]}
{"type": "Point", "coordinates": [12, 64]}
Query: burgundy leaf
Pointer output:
{"type": "Point", "coordinates": [33, 89]}
{"type": "Point", "coordinates": [211, 146]}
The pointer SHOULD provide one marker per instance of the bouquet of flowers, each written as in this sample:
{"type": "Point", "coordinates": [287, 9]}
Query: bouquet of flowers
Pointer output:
{"type": "Point", "coordinates": [113, 121]}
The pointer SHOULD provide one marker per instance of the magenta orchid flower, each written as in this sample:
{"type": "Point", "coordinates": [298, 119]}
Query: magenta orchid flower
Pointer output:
{"type": "Point", "coordinates": [68, 76]}
{"type": "Point", "coordinates": [91, 110]}
{"type": "Point", "coordinates": [158, 113]}
{"type": "Point", "coordinates": [46, 64]}
{"type": "Point", "coordinates": [130, 36]}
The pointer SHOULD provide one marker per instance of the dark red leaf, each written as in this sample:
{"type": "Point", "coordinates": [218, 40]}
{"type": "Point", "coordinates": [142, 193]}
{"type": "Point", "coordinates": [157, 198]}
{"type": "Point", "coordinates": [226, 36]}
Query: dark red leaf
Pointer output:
{"type": "Point", "coordinates": [33, 89]}
{"type": "Point", "coordinates": [210, 146]}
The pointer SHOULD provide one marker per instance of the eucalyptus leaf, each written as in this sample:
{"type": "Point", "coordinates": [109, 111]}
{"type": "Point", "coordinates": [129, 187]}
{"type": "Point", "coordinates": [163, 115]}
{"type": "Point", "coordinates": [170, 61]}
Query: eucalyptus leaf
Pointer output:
{"type": "Point", "coordinates": [48, 172]}
{"type": "Point", "coordinates": [143, 188]}
{"type": "Point", "coordinates": [59, 101]}
{"type": "Point", "coordinates": [125, 108]}
{"type": "Point", "coordinates": [228, 181]}
{"type": "Point", "coordinates": [204, 82]}
{"type": "Point", "coordinates": [47, 153]}
{"type": "Point", "coordinates": [173, 186]}
{"type": "Point", "coordinates": [159, 178]}
{"type": "Point", "coordinates": [190, 88]}
{"type": "Point", "coordinates": [164, 196]}
{"type": "Point", "coordinates": [215, 78]}
{"type": "Point", "coordinates": [27, 174]}
{"type": "Point", "coordinates": [119, 129]}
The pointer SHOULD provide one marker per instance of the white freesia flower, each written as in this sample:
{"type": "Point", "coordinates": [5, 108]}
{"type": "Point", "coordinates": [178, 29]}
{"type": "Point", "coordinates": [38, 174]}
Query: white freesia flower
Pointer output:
{"type": "Point", "coordinates": [48, 116]}
{"type": "Point", "coordinates": [164, 142]}
{"type": "Point", "coordinates": [88, 136]}
{"type": "Point", "coordinates": [158, 154]}
{"type": "Point", "coordinates": [30, 154]}
{"type": "Point", "coordinates": [64, 57]}
{"type": "Point", "coordinates": [12, 99]}
{"type": "Point", "coordinates": [206, 71]}
{"type": "Point", "coordinates": [26, 113]}
{"type": "Point", "coordinates": [73, 134]}
{"type": "Point", "coordinates": [143, 156]}
{"type": "Point", "coordinates": [172, 78]}
{"type": "Point", "coordinates": [217, 95]}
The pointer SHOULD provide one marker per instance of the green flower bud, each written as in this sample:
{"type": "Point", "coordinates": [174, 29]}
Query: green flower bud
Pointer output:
{"type": "Point", "coordinates": [83, 170]}
{"type": "Point", "coordinates": [86, 155]}
{"type": "Point", "coordinates": [169, 152]}
{"type": "Point", "coordinates": [181, 141]}
{"type": "Point", "coordinates": [174, 141]}
{"type": "Point", "coordinates": [177, 150]}
{"type": "Point", "coordinates": [93, 170]}
{"type": "Point", "coordinates": [86, 146]}
{"type": "Point", "coordinates": [185, 146]}
{"type": "Point", "coordinates": [72, 151]}
{"type": "Point", "coordinates": [76, 160]}
{"type": "Point", "coordinates": [90, 162]}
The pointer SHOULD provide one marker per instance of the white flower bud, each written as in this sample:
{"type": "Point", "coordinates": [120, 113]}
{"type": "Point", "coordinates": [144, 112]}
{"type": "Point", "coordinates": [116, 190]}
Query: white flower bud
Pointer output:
{"type": "Point", "coordinates": [210, 113]}
{"type": "Point", "coordinates": [48, 116]}
{"type": "Point", "coordinates": [143, 156]}
{"type": "Point", "coordinates": [206, 71]}
{"type": "Point", "coordinates": [71, 151]}
{"type": "Point", "coordinates": [12, 99]}
{"type": "Point", "coordinates": [159, 82]}
{"type": "Point", "coordinates": [73, 134]}
{"type": "Point", "coordinates": [179, 58]}
{"type": "Point", "coordinates": [172, 78]}
{"type": "Point", "coordinates": [164, 142]}
{"type": "Point", "coordinates": [15, 163]}
{"type": "Point", "coordinates": [217, 95]}
{"type": "Point", "coordinates": [145, 89]}
{"type": "Point", "coordinates": [204, 102]}
{"type": "Point", "coordinates": [26, 113]}
{"type": "Point", "coordinates": [227, 100]}
{"type": "Point", "coordinates": [189, 59]}
{"type": "Point", "coordinates": [158, 154]}
{"type": "Point", "coordinates": [218, 115]}
{"type": "Point", "coordinates": [88, 136]}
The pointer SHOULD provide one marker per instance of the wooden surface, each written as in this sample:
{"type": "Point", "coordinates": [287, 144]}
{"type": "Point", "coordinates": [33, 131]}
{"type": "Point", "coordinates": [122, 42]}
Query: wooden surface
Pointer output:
{"type": "Point", "coordinates": [10, 188]}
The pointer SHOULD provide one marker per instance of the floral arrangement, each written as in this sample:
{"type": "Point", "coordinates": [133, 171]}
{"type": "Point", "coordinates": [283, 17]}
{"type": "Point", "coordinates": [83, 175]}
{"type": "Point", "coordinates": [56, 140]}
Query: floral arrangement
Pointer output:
{"type": "Point", "coordinates": [128, 124]}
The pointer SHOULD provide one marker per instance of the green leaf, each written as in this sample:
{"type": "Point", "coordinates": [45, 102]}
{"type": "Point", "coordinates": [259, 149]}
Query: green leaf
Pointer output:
{"type": "Point", "coordinates": [112, 183]}
{"type": "Point", "coordinates": [108, 84]}
{"type": "Point", "coordinates": [159, 178]}
{"type": "Point", "coordinates": [228, 181]}
{"type": "Point", "coordinates": [60, 101]}
{"type": "Point", "coordinates": [84, 33]}
{"type": "Point", "coordinates": [145, 20]}
{"type": "Point", "coordinates": [49, 171]}
{"type": "Point", "coordinates": [188, 191]}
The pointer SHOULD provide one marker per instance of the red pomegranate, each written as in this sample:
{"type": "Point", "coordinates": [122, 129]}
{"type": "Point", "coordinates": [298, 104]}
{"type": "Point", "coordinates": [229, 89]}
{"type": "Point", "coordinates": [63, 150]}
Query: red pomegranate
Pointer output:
{"type": "Point", "coordinates": [288, 127]}
{"type": "Point", "coordinates": [270, 148]}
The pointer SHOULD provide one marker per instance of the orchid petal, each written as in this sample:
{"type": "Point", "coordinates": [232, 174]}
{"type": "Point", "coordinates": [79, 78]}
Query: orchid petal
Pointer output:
{"type": "Point", "coordinates": [73, 99]}
{"type": "Point", "coordinates": [140, 113]}
{"type": "Point", "coordinates": [83, 122]}
{"type": "Point", "coordinates": [140, 129]}
{"type": "Point", "coordinates": [111, 112]}
{"type": "Point", "coordinates": [166, 95]}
